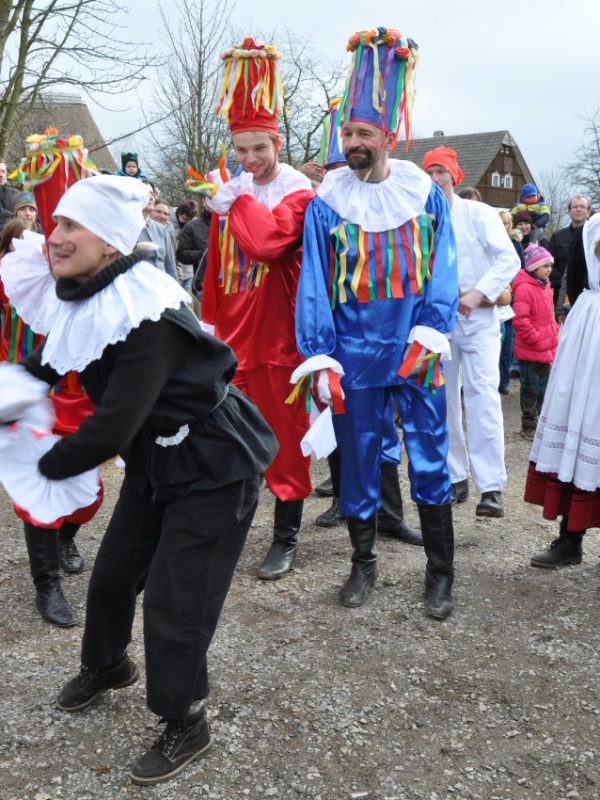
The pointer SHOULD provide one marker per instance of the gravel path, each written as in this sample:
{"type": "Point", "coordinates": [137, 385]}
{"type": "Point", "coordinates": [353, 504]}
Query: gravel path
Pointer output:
{"type": "Point", "coordinates": [313, 700]}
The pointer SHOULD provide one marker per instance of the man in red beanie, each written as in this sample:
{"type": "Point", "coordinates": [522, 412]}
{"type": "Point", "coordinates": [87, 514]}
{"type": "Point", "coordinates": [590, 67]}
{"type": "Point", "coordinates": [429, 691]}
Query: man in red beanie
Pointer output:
{"type": "Point", "coordinates": [252, 275]}
{"type": "Point", "coordinates": [487, 262]}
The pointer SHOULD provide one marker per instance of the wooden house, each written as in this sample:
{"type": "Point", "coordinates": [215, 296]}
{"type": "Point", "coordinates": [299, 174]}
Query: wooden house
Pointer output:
{"type": "Point", "coordinates": [492, 163]}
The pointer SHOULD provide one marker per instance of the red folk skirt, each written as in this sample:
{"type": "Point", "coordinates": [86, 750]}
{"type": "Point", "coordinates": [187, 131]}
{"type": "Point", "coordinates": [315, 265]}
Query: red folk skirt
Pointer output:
{"type": "Point", "coordinates": [560, 499]}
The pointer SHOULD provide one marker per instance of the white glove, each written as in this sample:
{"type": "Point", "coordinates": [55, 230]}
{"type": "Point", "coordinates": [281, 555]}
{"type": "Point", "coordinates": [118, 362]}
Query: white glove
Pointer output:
{"type": "Point", "coordinates": [18, 391]}
{"type": "Point", "coordinates": [323, 388]}
{"type": "Point", "coordinates": [229, 192]}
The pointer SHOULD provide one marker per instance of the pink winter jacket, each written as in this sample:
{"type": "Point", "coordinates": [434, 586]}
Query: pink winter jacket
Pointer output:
{"type": "Point", "coordinates": [536, 331]}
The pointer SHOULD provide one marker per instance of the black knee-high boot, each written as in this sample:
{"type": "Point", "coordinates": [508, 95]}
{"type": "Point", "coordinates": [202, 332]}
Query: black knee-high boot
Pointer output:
{"type": "Point", "coordinates": [332, 517]}
{"type": "Point", "coordinates": [438, 541]}
{"type": "Point", "coordinates": [69, 558]}
{"type": "Point", "coordinates": [42, 548]}
{"type": "Point", "coordinates": [390, 519]}
{"type": "Point", "coordinates": [563, 551]}
{"type": "Point", "coordinates": [282, 552]}
{"type": "Point", "coordinates": [363, 535]}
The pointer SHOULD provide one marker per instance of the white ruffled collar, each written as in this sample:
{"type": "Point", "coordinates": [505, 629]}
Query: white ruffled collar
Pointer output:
{"type": "Point", "coordinates": [377, 206]}
{"type": "Point", "coordinates": [289, 180]}
{"type": "Point", "coordinates": [77, 332]}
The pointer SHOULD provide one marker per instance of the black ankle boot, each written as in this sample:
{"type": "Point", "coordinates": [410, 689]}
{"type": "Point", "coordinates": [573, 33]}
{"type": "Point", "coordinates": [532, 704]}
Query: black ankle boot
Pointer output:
{"type": "Point", "coordinates": [390, 519]}
{"type": "Point", "coordinates": [438, 540]}
{"type": "Point", "coordinates": [69, 557]}
{"type": "Point", "coordinates": [182, 741]}
{"type": "Point", "coordinates": [42, 548]}
{"type": "Point", "coordinates": [563, 551]}
{"type": "Point", "coordinates": [282, 552]}
{"type": "Point", "coordinates": [363, 535]}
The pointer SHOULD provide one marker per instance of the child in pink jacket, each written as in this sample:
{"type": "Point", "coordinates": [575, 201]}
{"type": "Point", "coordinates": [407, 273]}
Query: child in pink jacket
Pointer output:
{"type": "Point", "coordinates": [536, 333]}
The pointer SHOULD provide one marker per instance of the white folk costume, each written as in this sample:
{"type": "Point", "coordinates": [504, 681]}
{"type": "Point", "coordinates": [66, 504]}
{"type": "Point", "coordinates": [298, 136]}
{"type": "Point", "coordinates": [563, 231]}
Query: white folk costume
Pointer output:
{"type": "Point", "coordinates": [377, 294]}
{"type": "Point", "coordinates": [487, 262]}
{"type": "Point", "coordinates": [564, 475]}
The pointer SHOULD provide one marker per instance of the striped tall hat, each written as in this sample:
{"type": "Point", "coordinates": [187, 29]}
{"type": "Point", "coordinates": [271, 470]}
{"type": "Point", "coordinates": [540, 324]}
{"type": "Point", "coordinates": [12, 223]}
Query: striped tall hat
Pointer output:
{"type": "Point", "coordinates": [380, 88]}
{"type": "Point", "coordinates": [252, 92]}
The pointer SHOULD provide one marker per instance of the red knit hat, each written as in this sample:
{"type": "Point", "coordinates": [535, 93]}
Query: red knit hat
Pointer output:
{"type": "Point", "coordinates": [252, 93]}
{"type": "Point", "coordinates": [444, 157]}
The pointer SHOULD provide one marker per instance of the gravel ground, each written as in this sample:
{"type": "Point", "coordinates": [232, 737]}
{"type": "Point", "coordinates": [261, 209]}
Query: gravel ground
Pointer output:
{"type": "Point", "coordinates": [310, 699]}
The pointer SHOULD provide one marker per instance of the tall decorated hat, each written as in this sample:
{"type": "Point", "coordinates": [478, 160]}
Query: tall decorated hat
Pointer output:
{"type": "Point", "coordinates": [252, 92]}
{"type": "Point", "coordinates": [331, 142]}
{"type": "Point", "coordinates": [52, 163]}
{"type": "Point", "coordinates": [380, 88]}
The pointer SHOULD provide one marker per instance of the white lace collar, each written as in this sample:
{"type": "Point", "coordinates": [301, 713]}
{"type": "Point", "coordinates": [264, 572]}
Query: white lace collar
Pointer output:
{"type": "Point", "coordinates": [289, 180]}
{"type": "Point", "coordinates": [377, 206]}
{"type": "Point", "coordinates": [77, 332]}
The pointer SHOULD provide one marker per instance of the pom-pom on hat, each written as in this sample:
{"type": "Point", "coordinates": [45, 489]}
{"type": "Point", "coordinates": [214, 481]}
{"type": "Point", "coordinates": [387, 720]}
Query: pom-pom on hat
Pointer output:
{"type": "Point", "coordinates": [444, 157]}
{"type": "Point", "coordinates": [536, 256]}
{"type": "Point", "coordinates": [109, 206]}
{"type": "Point", "coordinates": [380, 88]}
{"type": "Point", "coordinates": [252, 92]}
{"type": "Point", "coordinates": [24, 200]}
{"type": "Point", "coordinates": [522, 216]}
{"type": "Point", "coordinates": [331, 143]}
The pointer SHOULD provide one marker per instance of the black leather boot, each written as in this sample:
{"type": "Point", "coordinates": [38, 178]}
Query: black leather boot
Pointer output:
{"type": "Point", "coordinates": [332, 517]}
{"type": "Point", "coordinates": [563, 551]}
{"type": "Point", "coordinates": [390, 519]}
{"type": "Point", "coordinates": [438, 540]}
{"type": "Point", "coordinates": [42, 548]}
{"type": "Point", "coordinates": [363, 535]}
{"type": "Point", "coordinates": [69, 557]}
{"type": "Point", "coordinates": [282, 552]}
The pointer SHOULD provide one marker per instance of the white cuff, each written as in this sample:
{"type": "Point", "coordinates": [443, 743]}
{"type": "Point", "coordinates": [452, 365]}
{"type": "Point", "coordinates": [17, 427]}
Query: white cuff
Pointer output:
{"type": "Point", "coordinates": [433, 340]}
{"type": "Point", "coordinates": [18, 391]}
{"type": "Point", "coordinates": [314, 364]}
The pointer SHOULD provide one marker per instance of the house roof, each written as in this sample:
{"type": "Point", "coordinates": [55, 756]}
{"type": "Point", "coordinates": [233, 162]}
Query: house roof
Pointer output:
{"type": "Point", "coordinates": [475, 151]}
{"type": "Point", "coordinates": [68, 114]}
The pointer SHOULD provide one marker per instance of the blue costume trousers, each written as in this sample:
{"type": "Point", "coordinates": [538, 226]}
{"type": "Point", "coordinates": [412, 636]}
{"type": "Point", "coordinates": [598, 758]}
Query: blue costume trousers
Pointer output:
{"type": "Point", "coordinates": [364, 436]}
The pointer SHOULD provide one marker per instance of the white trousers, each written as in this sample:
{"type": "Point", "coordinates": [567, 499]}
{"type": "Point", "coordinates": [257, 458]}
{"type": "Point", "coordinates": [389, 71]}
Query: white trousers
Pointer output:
{"type": "Point", "coordinates": [474, 366]}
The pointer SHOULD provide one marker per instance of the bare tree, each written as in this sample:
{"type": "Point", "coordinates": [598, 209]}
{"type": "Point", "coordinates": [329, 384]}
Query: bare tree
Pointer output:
{"type": "Point", "coordinates": [556, 188]}
{"type": "Point", "coordinates": [190, 83]}
{"type": "Point", "coordinates": [584, 171]}
{"type": "Point", "coordinates": [188, 91]}
{"type": "Point", "coordinates": [50, 43]}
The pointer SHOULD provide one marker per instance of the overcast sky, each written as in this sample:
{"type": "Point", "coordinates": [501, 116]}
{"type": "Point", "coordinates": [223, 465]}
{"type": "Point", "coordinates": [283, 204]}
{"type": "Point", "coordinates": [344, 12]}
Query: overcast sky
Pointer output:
{"type": "Point", "coordinates": [529, 67]}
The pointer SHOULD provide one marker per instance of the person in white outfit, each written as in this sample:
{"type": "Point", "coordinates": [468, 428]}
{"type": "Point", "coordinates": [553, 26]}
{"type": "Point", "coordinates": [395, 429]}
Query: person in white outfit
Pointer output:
{"type": "Point", "coordinates": [487, 263]}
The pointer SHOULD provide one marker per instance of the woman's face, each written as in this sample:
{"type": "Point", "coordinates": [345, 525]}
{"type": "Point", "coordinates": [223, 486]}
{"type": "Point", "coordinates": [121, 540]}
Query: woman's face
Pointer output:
{"type": "Point", "coordinates": [77, 253]}
{"type": "Point", "coordinates": [28, 216]}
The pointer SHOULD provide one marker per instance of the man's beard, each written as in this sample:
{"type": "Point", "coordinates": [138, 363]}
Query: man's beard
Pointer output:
{"type": "Point", "coordinates": [360, 158]}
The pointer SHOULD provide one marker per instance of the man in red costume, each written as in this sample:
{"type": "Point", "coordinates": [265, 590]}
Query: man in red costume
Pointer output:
{"type": "Point", "coordinates": [252, 275]}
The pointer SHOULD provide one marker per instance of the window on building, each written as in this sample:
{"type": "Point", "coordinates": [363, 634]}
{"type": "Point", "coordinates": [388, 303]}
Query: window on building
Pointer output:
{"type": "Point", "coordinates": [508, 181]}
{"type": "Point", "coordinates": [495, 180]}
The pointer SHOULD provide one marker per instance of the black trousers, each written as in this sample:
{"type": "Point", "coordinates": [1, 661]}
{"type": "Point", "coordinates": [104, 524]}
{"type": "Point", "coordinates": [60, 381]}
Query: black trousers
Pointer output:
{"type": "Point", "coordinates": [183, 555]}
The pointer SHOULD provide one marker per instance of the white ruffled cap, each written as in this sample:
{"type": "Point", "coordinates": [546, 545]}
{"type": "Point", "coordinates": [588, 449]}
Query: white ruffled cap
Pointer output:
{"type": "Point", "coordinates": [110, 206]}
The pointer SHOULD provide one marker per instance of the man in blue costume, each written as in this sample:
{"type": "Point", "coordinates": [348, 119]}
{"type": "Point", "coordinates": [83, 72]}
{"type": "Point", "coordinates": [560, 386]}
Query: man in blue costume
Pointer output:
{"type": "Point", "coordinates": [378, 290]}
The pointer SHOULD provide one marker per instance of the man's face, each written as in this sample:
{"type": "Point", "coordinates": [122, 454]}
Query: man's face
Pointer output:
{"type": "Point", "coordinates": [442, 178]}
{"type": "Point", "coordinates": [362, 145]}
{"type": "Point", "coordinates": [160, 213]}
{"type": "Point", "coordinates": [3, 173]}
{"type": "Point", "coordinates": [579, 211]}
{"type": "Point", "coordinates": [524, 227]}
{"type": "Point", "coordinates": [257, 153]}
{"type": "Point", "coordinates": [28, 216]}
